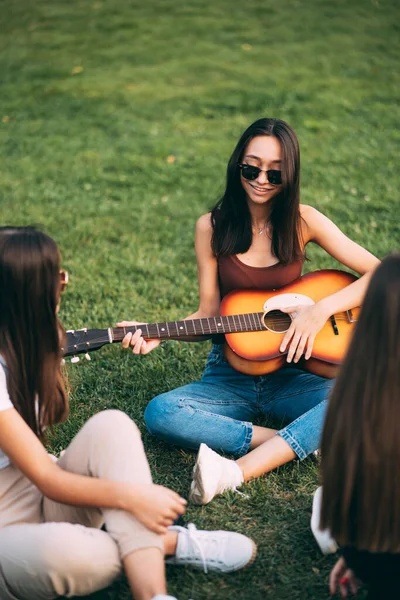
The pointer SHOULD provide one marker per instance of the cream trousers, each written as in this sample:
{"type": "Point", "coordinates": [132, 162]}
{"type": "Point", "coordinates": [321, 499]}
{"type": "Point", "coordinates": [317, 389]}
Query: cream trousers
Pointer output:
{"type": "Point", "coordinates": [49, 549]}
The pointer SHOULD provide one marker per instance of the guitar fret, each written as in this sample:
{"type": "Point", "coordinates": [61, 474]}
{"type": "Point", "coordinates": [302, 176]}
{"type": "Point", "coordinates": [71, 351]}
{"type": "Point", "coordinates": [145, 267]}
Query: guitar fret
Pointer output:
{"type": "Point", "coordinates": [254, 321]}
{"type": "Point", "coordinates": [215, 324]}
{"type": "Point", "coordinates": [234, 322]}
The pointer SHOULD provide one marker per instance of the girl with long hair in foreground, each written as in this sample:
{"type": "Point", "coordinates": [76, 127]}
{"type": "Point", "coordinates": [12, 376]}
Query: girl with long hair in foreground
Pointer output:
{"type": "Point", "coordinates": [51, 511]}
{"type": "Point", "coordinates": [255, 238]}
{"type": "Point", "coordinates": [361, 449]}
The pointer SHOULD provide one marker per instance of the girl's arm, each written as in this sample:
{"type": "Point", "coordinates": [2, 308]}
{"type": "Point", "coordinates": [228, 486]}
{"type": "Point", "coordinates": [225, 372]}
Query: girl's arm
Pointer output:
{"type": "Point", "coordinates": [208, 290]}
{"type": "Point", "coordinates": [328, 236]}
{"type": "Point", "coordinates": [310, 320]}
{"type": "Point", "coordinates": [151, 504]}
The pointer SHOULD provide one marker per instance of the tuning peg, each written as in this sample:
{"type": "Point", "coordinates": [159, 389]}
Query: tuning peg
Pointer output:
{"type": "Point", "coordinates": [75, 359]}
{"type": "Point", "coordinates": [63, 361]}
{"type": "Point", "coordinates": [87, 356]}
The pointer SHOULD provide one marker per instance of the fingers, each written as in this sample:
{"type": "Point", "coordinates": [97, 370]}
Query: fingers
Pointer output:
{"type": "Point", "coordinates": [301, 344]}
{"type": "Point", "coordinates": [337, 572]}
{"type": "Point", "coordinates": [159, 528]}
{"type": "Point", "coordinates": [346, 583]}
{"type": "Point", "coordinates": [293, 346]}
{"type": "Point", "coordinates": [288, 336]}
{"type": "Point", "coordinates": [178, 503]}
{"type": "Point", "coordinates": [352, 582]}
{"type": "Point", "coordinates": [310, 345]}
{"type": "Point", "coordinates": [133, 339]}
{"type": "Point", "coordinates": [138, 343]}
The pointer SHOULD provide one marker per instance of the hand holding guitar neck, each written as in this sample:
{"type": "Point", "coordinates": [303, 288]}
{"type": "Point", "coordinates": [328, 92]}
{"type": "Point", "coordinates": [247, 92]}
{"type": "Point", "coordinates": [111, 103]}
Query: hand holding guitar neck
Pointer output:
{"type": "Point", "coordinates": [135, 339]}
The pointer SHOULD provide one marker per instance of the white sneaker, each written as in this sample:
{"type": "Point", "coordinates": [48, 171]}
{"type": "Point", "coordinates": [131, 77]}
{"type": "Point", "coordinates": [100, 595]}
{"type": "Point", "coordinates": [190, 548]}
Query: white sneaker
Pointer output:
{"type": "Point", "coordinates": [221, 551]}
{"type": "Point", "coordinates": [322, 536]}
{"type": "Point", "coordinates": [164, 597]}
{"type": "Point", "coordinates": [212, 475]}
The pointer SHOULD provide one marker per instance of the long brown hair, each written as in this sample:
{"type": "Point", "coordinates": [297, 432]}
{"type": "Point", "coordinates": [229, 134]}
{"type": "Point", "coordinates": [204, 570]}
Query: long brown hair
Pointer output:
{"type": "Point", "coordinates": [231, 219]}
{"type": "Point", "coordinates": [30, 333]}
{"type": "Point", "coordinates": [361, 441]}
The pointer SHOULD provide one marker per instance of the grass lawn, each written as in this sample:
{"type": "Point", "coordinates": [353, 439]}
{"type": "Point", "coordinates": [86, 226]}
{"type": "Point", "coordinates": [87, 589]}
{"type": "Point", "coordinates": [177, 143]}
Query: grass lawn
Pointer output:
{"type": "Point", "coordinates": [116, 121]}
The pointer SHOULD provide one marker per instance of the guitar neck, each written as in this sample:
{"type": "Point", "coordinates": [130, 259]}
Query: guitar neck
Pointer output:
{"type": "Point", "coordinates": [192, 327]}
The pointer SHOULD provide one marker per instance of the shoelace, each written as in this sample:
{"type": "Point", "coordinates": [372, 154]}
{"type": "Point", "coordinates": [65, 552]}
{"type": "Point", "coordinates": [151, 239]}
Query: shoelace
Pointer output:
{"type": "Point", "coordinates": [191, 534]}
{"type": "Point", "coordinates": [227, 485]}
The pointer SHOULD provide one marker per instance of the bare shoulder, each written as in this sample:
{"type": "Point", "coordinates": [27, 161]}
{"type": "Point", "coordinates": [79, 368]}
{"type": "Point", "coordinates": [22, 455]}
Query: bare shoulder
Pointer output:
{"type": "Point", "coordinates": [314, 223]}
{"type": "Point", "coordinates": [309, 213]}
{"type": "Point", "coordinates": [204, 230]}
{"type": "Point", "coordinates": [204, 225]}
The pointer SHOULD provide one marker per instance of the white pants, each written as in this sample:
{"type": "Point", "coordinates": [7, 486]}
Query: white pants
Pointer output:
{"type": "Point", "coordinates": [49, 549]}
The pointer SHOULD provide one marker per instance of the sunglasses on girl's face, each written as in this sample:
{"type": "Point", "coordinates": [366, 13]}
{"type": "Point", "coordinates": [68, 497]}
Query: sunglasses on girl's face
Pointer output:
{"type": "Point", "coordinates": [251, 173]}
{"type": "Point", "coordinates": [63, 280]}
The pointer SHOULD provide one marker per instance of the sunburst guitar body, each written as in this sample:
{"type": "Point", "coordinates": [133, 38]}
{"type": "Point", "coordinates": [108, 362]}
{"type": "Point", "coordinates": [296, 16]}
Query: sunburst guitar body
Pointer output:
{"type": "Point", "coordinates": [257, 352]}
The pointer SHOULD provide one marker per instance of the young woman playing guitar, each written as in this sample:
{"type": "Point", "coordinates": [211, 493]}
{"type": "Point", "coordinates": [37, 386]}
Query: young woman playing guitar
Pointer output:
{"type": "Point", "coordinates": [255, 237]}
{"type": "Point", "coordinates": [51, 511]}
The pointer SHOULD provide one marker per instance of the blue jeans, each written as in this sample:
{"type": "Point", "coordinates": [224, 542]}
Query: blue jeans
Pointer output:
{"type": "Point", "coordinates": [220, 408]}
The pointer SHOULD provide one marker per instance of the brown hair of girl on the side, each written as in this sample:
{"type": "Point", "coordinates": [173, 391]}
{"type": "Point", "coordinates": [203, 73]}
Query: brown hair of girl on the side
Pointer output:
{"type": "Point", "coordinates": [30, 333]}
{"type": "Point", "coordinates": [361, 441]}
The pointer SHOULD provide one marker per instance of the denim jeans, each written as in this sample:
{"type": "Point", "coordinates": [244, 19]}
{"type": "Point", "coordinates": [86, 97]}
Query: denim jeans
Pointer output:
{"type": "Point", "coordinates": [219, 410]}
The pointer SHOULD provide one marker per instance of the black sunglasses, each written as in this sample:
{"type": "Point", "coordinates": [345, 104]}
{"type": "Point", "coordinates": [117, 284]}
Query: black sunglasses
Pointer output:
{"type": "Point", "coordinates": [251, 173]}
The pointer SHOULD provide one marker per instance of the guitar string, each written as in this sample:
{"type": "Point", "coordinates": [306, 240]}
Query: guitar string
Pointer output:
{"type": "Point", "coordinates": [277, 319]}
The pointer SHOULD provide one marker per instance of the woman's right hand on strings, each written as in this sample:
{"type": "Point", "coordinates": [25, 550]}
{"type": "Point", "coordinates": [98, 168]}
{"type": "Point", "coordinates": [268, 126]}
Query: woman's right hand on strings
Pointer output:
{"type": "Point", "coordinates": [135, 340]}
{"type": "Point", "coordinates": [156, 506]}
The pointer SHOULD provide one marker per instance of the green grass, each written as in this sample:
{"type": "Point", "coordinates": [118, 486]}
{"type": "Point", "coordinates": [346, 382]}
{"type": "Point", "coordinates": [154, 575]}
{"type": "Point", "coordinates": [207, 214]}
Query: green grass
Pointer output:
{"type": "Point", "coordinates": [95, 97]}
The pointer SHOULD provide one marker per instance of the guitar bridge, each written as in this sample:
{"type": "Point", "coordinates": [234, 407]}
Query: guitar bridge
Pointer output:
{"type": "Point", "coordinates": [350, 317]}
{"type": "Point", "coordinates": [334, 325]}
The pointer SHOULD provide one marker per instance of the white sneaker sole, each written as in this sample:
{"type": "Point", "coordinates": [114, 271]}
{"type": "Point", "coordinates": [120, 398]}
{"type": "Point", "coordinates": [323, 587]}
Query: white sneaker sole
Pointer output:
{"type": "Point", "coordinates": [252, 558]}
{"type": "Point", "coordinates": [197, 493]}
{"type": "Point", "coordinates": [245, 565]}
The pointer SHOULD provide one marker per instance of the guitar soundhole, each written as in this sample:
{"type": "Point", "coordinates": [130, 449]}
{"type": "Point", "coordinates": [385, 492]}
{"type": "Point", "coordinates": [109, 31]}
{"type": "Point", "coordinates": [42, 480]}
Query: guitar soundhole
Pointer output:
{"type": "Point", "coordinates": [277, 321]}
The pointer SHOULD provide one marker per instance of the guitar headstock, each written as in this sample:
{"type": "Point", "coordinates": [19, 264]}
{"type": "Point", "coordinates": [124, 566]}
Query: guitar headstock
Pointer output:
{"type": "Point", "coordinates": [82, 341]}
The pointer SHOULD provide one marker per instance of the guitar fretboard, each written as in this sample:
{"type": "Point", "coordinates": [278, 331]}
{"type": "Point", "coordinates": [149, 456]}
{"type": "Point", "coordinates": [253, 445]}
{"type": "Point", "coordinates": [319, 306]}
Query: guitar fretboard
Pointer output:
{"type": "Point", "coordinates": [194, 327]}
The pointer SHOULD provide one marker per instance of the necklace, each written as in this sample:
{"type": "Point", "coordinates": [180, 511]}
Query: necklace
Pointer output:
{"type": "Point", "coordinates": [260, 230]}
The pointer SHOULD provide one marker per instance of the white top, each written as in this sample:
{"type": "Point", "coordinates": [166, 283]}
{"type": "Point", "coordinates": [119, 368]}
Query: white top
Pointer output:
{"type": "Point", "coordinates": [5, 404]}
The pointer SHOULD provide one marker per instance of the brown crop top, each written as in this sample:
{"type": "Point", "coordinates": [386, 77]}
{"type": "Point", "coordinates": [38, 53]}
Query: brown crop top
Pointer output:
{"type": "Point", "coordinates": [233, 274]}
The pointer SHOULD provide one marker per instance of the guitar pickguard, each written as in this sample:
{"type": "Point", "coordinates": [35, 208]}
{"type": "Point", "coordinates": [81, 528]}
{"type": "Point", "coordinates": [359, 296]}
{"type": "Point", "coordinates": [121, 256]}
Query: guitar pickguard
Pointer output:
{"type": "Point", "coordinates": [286, 300]}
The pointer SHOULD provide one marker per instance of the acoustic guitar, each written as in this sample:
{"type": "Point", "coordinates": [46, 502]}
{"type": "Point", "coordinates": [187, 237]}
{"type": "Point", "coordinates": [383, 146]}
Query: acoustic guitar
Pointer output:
{"type": "Point", "coordinates": [254, 327]}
